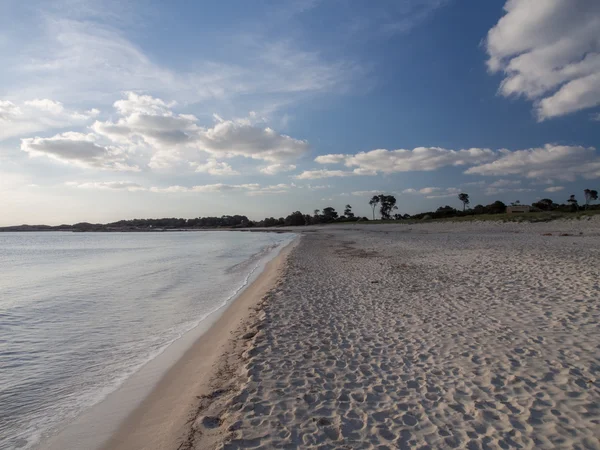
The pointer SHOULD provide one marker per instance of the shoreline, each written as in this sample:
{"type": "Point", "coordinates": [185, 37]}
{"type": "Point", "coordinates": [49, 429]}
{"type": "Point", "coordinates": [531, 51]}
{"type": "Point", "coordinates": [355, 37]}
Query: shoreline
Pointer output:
{"type": "Point", "coordinates": [160, 420]}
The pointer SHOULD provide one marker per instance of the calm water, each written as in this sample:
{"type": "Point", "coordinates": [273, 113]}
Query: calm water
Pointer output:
{"type": "Point", "coordinates": [81, 312]}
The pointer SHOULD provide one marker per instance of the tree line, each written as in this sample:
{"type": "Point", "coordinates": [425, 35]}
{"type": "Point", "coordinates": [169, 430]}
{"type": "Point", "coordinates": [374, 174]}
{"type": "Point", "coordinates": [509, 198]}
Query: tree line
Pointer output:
{"type": "Point", "coordinates": [385, 204]}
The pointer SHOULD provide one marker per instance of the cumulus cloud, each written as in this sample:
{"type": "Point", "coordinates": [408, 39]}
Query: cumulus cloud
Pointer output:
{"type": "Point", "coordinates": [173, 138]}
{"type": "Point", "coordinates": [554, 189]}
{"type": "Point", "coordinates": [551, 162]}
{"type": "Point", "coordinates": [150, 121]}
{"type": "Point", "coordinates": [557, 162]}
{"type": "Point", "coordinates": [214, 167]}
{"type": "Point", "coordinates": [331, 159]}
{"type": "Point", "coordinates": [548, 52]}
{"type": "Point", "coordinates": [237, 138]}
{"type": "Point", "coordinates": [79, 149]}
{"type": "Point", "coordinates": [107, 185]}
{"type": "Point", "coordinates": [402, 160]}
{"type": "Point", "coordinates": [277, 168]}
{"type": "Point", "coordinates": [38, 115]}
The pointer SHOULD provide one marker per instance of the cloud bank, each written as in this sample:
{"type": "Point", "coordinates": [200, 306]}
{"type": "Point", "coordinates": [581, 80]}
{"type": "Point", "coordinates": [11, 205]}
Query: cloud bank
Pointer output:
{"type": "Point", "coordinates": [553, 162]}
{"type": "Point", "coordinates": [149, 134]}
{"type": "Point", "coordinates": [38, 115]}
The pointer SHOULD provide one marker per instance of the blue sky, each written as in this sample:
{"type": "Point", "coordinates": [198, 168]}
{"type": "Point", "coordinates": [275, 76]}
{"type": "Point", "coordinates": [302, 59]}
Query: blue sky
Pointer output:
{"type": "Point", "coordinates": [148, 109]}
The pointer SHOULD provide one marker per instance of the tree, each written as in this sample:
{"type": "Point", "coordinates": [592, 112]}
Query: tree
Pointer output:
{"type": "Point", "coordinates": [445, 211]}
{"type": "Point", "coordinates": [517, 203]}
{"type": "Point", "coordinates": [373, 202]}
{"type": "Point", "coordinates": [387, 205]}
{"type": "Point", "coordinates": [295, 219]}
{"type": "Point", "coordinates": [590, 195]}
{"type": "Point", "coordinates": [479, 209]}
{"type": "Point", "coordinates": [573, 202]}
{"type": "Point", "coordinates": [348, 212]}
{"type": "Point", "coordinates": [464, 198]}
{"type": "Point", "coordinates": [329, 214]}
{"type": "Point", "coordinates": [497, 207]}
{"type": "Point", "coordinates": [545, 204]}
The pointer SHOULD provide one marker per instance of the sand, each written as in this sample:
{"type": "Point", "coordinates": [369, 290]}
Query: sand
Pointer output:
{"type": "Point", "coordinates": [477, 336]}
{"type": "Point", "coordinates": [162, 419]}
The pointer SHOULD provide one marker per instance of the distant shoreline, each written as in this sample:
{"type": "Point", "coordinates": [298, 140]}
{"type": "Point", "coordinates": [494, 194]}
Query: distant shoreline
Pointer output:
{"type": "Point", "coordinates": [36, 229]}
{"type": "Point", "coordinates": [83, 227]}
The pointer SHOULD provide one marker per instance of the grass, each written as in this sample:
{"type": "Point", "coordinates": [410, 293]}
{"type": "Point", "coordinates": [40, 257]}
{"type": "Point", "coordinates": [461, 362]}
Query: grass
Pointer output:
{"type": "Point", "coordinates": [527, 217]}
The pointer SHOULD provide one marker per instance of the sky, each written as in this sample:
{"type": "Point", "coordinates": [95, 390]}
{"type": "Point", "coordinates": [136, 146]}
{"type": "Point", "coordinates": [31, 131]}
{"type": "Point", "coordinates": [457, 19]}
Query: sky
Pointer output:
{"type": "Point", "coordinates": [118, 110]}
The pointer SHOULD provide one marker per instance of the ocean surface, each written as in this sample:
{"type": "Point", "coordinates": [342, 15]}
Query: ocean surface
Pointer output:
{"type": "Point", "coordinates": [80, 313]}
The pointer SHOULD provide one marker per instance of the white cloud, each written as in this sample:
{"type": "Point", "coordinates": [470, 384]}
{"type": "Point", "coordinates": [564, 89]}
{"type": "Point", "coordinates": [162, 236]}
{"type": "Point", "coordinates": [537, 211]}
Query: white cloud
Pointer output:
{"type": "Point", "coordinates": [473, 183]}
{"type": "Point", "coordinates": [173, 138]}
{"type": "Point", "coordinates": [365, 193]}
{"type": "Point", "coordinates": [73, 58]}
{"type": "Point", "coordinates": [79, 149]}
{"type": "Point", "coordinates": [323, 173]}
{"type": "Point", "coordinates": [277, 168]}
{"type": "Point", "coordinates": [434, 192]}
{"type": "Point", "coordinates": [401, 160]}
{"type": "Point", "coordinates": [549, 162]}
{"type": "Point", "coordinates": [234, 138]}
{"type": "Point", "coordinates": [107, 185]}
{"type": "Point", "coordinates": [38, 115]}
{"type": "Point", "coordinates": [504, 183]}
{"type": "Point", "coordinates": [549, 53]}
{"type": "Point", "coordinates": [148, 121]}
{"type": "Point", "coordinates": [214, 167]}
{"type": "Point", "coordinates": [273, 189]}
{"type": "Point", "coordinates": [250, 189]}
{"type": "Point", "coordinates": [557, 162]}
{"type": "Point", "coordinates": [554, 189]}
{"type": "Point", "coordinates": [331, 159]}
{"type": "Point", "coordinates": [312, 187]}
{"type": "Point", "coordinates": [497, 187]}
{"type": "Point", "coordinates": [496, 191]}
{"type": "Point", "coordinates": [142, 104]}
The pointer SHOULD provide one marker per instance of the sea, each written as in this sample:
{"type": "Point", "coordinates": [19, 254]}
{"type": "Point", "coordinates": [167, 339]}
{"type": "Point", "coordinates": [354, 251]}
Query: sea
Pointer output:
{"type": "Point", "coordinates": [83, 314]}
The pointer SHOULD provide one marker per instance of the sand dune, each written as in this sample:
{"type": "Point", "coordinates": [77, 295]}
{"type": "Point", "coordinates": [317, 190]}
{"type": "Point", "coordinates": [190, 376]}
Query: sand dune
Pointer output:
{"type": "Point", "coordinates": [419, 337]}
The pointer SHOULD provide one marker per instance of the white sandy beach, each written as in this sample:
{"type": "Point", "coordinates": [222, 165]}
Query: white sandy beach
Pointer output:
{"type": "Point", "coordinates": [430, 336]}
{"type": "Point", "coordinates": [477, 336]}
